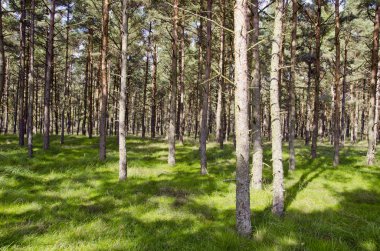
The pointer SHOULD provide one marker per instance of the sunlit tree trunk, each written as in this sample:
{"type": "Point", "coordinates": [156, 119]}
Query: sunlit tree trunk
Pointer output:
{"type": "Point", "coordinates": [243, 210]}
{"type": "Point", "coordinates": [278, 173]}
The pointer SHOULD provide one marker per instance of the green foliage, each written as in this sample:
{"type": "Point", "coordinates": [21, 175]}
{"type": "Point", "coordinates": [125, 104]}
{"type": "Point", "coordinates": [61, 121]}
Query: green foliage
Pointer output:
{"type": "Point", "coordinates": [65, 199]}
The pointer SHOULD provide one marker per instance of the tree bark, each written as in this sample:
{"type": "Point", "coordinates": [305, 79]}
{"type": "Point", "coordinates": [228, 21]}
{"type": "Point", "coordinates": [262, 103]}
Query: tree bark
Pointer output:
{"type": "Point", "coordinates": [243, 211]}
{"type": "Point", "coordinates": [2, 55]}
{"type": "Point", "coordinates": [257, 157]}
{"type": "Point", "coordinates": [146, 82]}
{"type": "Point", "coordinates": [173, 91]}
{"type": "Point", "coordinates": [205, 93]}
{"type": "Point", "coordinates": [49, 75]}
{"type": "Point", "coordinates": [31, 81]}
{"type": "Point", "coordinates": [317, 80]}
{"type": "Point", "coordinates": [337, 87]}
{"type": "Point", "coordinates": [372, 91]}
{"type": "Point", "coordinates": [292, 89]}
{"type": "Point", "coordinates": [22, 77]}
{"type": "Point", "coordinates": [103, 81]}
{"type": "Point", "coordinates": [278, 173]}
{"type": "Point", "coordinates": [123, 92]}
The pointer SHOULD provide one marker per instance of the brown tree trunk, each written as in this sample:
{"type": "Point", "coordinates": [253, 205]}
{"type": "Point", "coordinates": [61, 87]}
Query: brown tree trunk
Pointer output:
{"type": "Point", "coordinates": [181, 96]}
{"type": "Point", "coordinates": [154, 95]}
{"type": "Point", "coordinates": [372, 91]}
{"type": "Point", "coordinates": [31, 81]}
{"type": "Point", "coordinates": [104, 81]}
{"type": "Point", "coordinates": [2, 55]}
{"type": "Point", "coordinates": [205, 93]}
{"type": "Point", "coordinates": [292, 89]}
{"type": "Point", "coordinates": [90, 89]}
{"type": "Point", "coordinates": [49, 75]}
{"type": "Point", "coordinates": [317, 80]}
{"type": "Point", "coordinates": [278, 173]}
{"type": "Point", "coordinates": [65, 93]}
{"type": "Point", "coordinates": [243, 210]}
{"type": "Point", "coordinates": [146, 82]}
{"type": "Point", "coordinates": [337, 87]}
{"type": "Point", "coordinates": [22, 77]}
{"type": "Point", "coordinates": [173, 91]}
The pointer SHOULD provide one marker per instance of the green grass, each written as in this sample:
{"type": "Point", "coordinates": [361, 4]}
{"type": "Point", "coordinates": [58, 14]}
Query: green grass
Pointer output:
{"type": "Point", "coordinates": [65, 199]}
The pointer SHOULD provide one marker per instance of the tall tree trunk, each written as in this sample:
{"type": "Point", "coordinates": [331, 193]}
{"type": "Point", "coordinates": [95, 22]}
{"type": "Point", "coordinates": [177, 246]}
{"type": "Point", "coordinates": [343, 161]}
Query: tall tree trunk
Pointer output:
{"type": "Point", "coordinates": [220, 109]}
{"type": "Point", "coordinates": [31, 81]}
{"type": "Point", "coordinates": [292, 88]}
{"type": "Point", "coordinates": [146, 82]}
{"type": "Point", "coordinates": [22, 72]}
{"type": "Point", "coordinates": [278, 173]}
{"type": "Point", "coordinates": [154, 95]}
{"type": "Point", "coordinates": [200, 67]}
{"type": "Point", "coordinates": [243, 210]}
{"type": "Point", "coordinates": [317, 80]}
{"type": "Point", "coordinates": [344, 91]}
{"type": "Point", "coordinates": [372, 91]}
{"type": "Point", "coordinates": [49, 75]}
{"type": "Point", "coordinates": [65, 80]}
{"type": "Point", "coordinates": [123, 92]}
{"type": "Point", "coordinates": [173, 91]}
{"type": "Point", "coordinates": [205, 93]}
{"type": "Point", "coordinates": [104, 81]}
{"type": "Point", "coordinates": [2, 55]}
{"type": "Point", "coordinates": [337, 87]}
{"type": "Point", "coordinates": [91, 81]}
{"type": "Point", "coordinates": [181, 96]}
{"type": "Point", "coordinates": [257, 157]}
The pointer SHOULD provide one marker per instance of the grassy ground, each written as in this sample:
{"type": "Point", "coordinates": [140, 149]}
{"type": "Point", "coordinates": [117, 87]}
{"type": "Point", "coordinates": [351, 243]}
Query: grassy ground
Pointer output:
{"type": "Point", "coordinates": [65, 199]}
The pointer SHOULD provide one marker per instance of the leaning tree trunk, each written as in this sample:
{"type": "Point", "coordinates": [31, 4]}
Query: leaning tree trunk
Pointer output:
{"type": "Point", "coordinates": [49, 76]}
{"type": "Point", "coordinates": [292, 89]}
{"type": "Point", "coordinates": [257, 157]}
{"type": "Point", "coordinates": [123, 92]}
{"type": "Point", "coordinates": [205, 93]}
{"type": "Point", "coordinates": [278, 173]}
{"type": "Point", "coordinates": [337, 87]}
{"type": "Point", "coordinates": [31, 81]}
{"type": "Point", "coordinates": [103, 82]}
{"type": "Point", "coordinates": [372, 91]}
{"type": "Point", "coordinates": [317, 81]}
{"type": "Point", "coordinates": [173, 91]}
{"type": "Point", "coordinates": [243, 210]}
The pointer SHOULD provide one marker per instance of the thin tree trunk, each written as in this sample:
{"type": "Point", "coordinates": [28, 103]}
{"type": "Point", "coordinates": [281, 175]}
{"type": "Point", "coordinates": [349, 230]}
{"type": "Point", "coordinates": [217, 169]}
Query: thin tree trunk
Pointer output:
{"type": "Point", "coordinates": [205, 93]}
{"type": "Point", "coordinates": [146, 82]}
{"type": "Point", "coordinates": [257, 157]}
{"type": "Point", "coordinates": [317, 80]}
{"type": "Point", "coordinates": [31, 81]}
{"type": "Point", "coordinates": [181, 101]}
{"type": "Point", "coordinates": [220, 109]}
{"type": "Point", "coordinates": [278, 173]}
{"type": "Point", "coordinates": [104, 81]}
{"type": "Point", "coordinates": [173, 91]}
{"type": "Point", "coordinates": [22, 72]}
{"type": "Point", "coordinates": [344, 91]}
{"type": "Point", "coordinates": [372, 91]}
{"type": "Point", "coordinates": [65, 93]}
{"type": "Point", "coordinates": [49, 75]}
{"type": "Point", "coordinates": [90, 89]}
{"type": "Point", "coordinates": [123, 92]}
{"type": "Point", "coordinates": [292, 89]}
{"type": "Point", "coordinates": [2, 55]}
{"type": "Point", "coordinates": [243, 211]}
{"type": "Point", "coordinates": [337, 87]}
{"type": "Point", "coordinates": [154, 95]}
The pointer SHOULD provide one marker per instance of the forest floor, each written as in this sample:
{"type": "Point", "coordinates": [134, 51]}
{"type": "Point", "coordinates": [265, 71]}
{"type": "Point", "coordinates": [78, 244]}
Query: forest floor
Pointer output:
{"type": "Point", "coordinates": [64, 198]}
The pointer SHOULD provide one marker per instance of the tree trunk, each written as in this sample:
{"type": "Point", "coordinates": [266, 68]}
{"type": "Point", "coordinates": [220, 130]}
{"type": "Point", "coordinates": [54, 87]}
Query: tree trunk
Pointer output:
{"type": "Point", "coordinates": [49, 75]}
{"type": "Point", "coordinates": [22, 72]}
{"type": "Point", "coordinates": [104, 81]}
{"type": "Point", "coordinates": [123, 92]}
{"type": "Point", "coordinates": [31, 81]}
{"type": "Point", "coordinates": [146, 82]}
{"type": "Point", "coordinates": [90, 89]}
{"type": "Point", "coordinates": [205, 93]}
{"type": "Point", "coordinates": [220, 109]}
{"type": "Point", "coordinates": [173, 91]}
{"type": "Point", "coordinates": [2, 55]}
{"type": "Point", "coordinates": [337, 87]}
{"type": "Point", "coordinates": [243, 211]}
{"type": "Point", "coordinates": [317, 80]}
{"type": "Point", "coordinates": [278, 173]}
{"type": "Point", "coordinates": [292, 89]}
{"type": "Point", "coordinates": [65, 80]}
{"type": "Point", "coordinates": [257, 157]}
{"type": "Point", "coordinates": [181, 101]}
{"type": "Point", "coordinates": [372, 91]}
{"type": "Point", "coordinates": [154, 95]}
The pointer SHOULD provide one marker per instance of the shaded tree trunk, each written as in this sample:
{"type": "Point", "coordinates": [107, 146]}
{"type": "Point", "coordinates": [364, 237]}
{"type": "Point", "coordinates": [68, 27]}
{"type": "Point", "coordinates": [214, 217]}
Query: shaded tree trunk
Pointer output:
{"type": "Point", "coordinates": [146, 82]}
{"type": "Point", "coordinates": [154, 95]}
{"type": "Point", "coordinates": [31, 81]}
{"type": "Point", "coordinates": [337, 87]}
{"type": "Point", "coordinates": [2, 55]}
{"type": "Point", "coordinates": [49, 75]}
